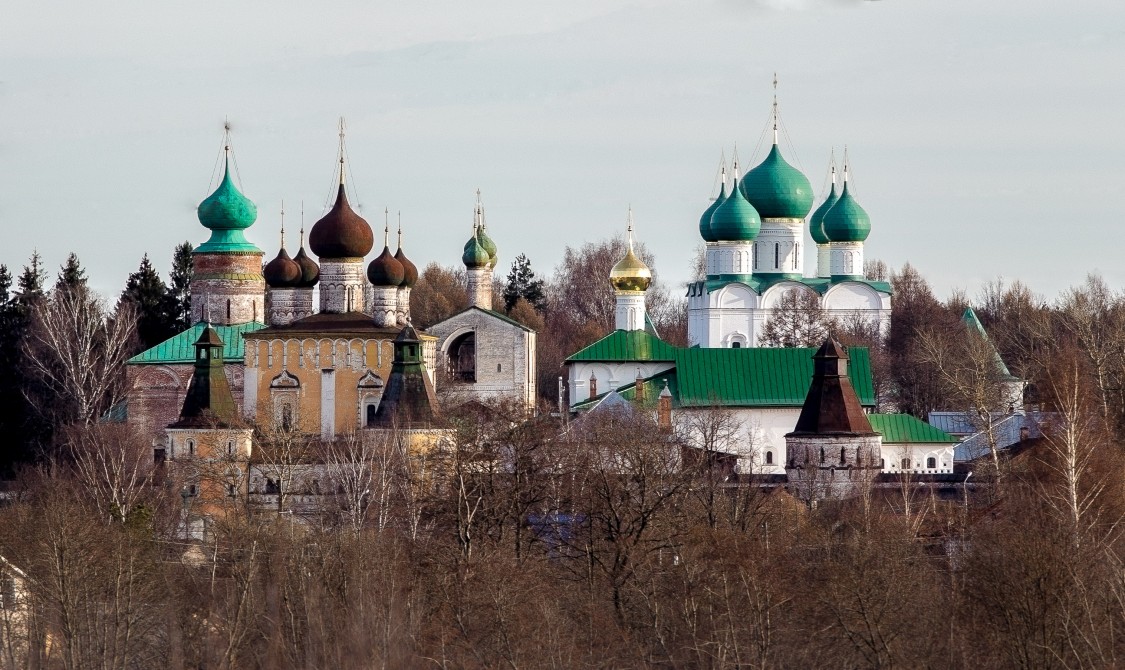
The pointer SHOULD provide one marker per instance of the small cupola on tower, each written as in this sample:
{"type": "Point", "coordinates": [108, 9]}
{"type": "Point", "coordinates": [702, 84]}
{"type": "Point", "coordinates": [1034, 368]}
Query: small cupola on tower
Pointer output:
{"type": "Point", "coordinates": [734, 226]}
{"type": "Point", "coordinates": [409, 401]}
{"type": "Point", "coordinates": [341, 239]}
{"type": "Point", "coordinates": [846, 225]}
{"type": "Point", "coordinates": [209, 402]}
{"type": "Point", "coordinates": [783, 197]}
{"type": "Point", "coordinates": [385, 274]}
{"type": "Point", "coordinates": [283, 277]}
{"type": "Point", "coordinates": [409, 278]}
{"type": "Point", "coordinates": [227, 285]}
{"type": "Point", "coordinates": [816, 228]}
{"type": "Point", "coordinates": [630, 279]}
{"type": "Point", "coordinates": [705, 220]}
{"type": "Point", "coordinates": [479, 258]}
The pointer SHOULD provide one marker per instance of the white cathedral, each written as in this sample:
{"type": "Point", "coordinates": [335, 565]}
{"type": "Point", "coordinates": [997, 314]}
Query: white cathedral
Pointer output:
{"type": "Point", "coordinates": [754, 233]}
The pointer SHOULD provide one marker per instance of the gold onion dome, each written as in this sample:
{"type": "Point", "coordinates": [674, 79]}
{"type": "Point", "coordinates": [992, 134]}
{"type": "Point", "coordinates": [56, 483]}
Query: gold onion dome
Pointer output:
{"type": "Point", "coordinates": [630, 273]}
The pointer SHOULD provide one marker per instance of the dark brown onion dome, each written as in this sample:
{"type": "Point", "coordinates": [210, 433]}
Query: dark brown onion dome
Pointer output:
{"type": "Point", "coordinates": [341, 233]}
{"type": "Point", "coordinates": [409, 270]}
{"type": "Point", "coordinates": [282, 272]}
{"type": "Point", "coordinates": [310, 271]}
{"type": "Point", "coordinates": [385, 270]}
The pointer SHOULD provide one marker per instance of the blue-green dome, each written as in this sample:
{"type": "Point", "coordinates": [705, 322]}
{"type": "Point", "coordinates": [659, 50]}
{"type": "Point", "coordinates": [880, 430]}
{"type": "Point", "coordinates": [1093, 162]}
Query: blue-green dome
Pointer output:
{"type": "Point", "coordinates": [475, 256]}
{"type": "Point", "coordinates": [735, 220]}
{"type": "Point", "coordinates": [846, 221]}
{"type": "Point", "coordinates": [816, 227]}
{"type": "Point", "coordinates": [227, 213]}
{"type": "Point", "coordinates": [777, 189]}
{"type": "Point", "coordinates": [226, 208]}
{"type": "Point", "coordinates": [705, 220]}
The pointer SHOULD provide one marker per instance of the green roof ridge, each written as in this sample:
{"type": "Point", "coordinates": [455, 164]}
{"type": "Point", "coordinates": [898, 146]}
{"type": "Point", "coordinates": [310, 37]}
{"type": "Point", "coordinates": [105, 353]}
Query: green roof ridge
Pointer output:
{"type": "Point", "coordinates": [626, 345]}
{"type": "Point", "coordinates": [904, 428]}
{"type": "Point", "coordinates": [180, 348]}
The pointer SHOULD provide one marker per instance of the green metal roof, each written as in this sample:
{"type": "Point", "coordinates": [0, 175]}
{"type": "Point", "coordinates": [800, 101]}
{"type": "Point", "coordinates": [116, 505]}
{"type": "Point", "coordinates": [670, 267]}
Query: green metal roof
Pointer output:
{"type": "Point", "coordinates": [758, 377]}
{"type": "Point", "coordinates": [904, 428]}
{"type": "Point", "coordinates": [627, 345]}
{"type": "Point", "coordinates": [760, 283]}
{"type": "Point", "coordinates": [974, 325]}
{"type": "Point", "coordinates": [181, 348]}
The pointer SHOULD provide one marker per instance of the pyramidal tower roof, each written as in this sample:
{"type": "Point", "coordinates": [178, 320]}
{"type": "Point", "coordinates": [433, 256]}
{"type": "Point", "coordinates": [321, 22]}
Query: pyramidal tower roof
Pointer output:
{"type": "Point", "coordinates": [209, 402]}
{"type": "Point", "coordinates": [832, 406]}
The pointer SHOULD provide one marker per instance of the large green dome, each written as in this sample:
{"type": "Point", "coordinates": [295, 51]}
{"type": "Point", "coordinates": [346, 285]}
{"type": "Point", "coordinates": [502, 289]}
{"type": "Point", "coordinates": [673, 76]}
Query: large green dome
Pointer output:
{"type": "Point", "coordinates": [705, 220]}
{"type": "Point", "coordinates": [226, 208]}
{"type": "Point", "coordinates": [846, 221]}
{"type": "Point", "coordinates": [816, 221]}
{"type": "Point", "coordinates": [735, 220]}
{"type": "Point", "coordinates": [227, 213]}
{"type": "Point", "coordinates": [777, 189]}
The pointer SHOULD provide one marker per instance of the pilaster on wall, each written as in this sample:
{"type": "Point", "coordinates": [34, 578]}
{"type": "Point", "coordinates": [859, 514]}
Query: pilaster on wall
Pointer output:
{"type": "Point", "coordinates": [846, 259]}
{"type": "Point", "coordinates": [342, 286]}
{"type": "Point", "coordinates": [630, 314]}
{"type": "Point", "coordinates": [779, 247]}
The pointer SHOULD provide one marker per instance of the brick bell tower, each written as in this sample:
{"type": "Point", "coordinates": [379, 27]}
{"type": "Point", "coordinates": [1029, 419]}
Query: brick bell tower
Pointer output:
{"type": "Point", "coordinates": [227, 286]}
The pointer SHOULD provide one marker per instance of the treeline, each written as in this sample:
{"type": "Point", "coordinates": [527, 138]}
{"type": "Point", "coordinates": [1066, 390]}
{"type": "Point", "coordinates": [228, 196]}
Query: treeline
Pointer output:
{"type": "Point", "coordinates": [534, 545]}
{"type": "Point", "coordinates": [62, 361]}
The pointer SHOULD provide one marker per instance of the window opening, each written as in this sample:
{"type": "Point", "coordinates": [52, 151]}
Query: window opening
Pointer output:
{"type": "Point", "coordinates": [769, 458]}
{"type": "Point", "coordinates": [931, 462]}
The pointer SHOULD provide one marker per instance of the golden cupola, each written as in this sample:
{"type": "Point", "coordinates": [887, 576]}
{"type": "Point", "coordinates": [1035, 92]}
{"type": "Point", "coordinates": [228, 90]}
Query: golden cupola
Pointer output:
{"type": "Point", "coordinates": [630, 273]}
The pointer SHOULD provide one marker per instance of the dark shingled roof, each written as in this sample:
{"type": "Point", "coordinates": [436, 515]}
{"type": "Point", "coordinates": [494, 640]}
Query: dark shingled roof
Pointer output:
{"type": "Point", "coordinates": [831, 406]}
{"type": "Point", "coordinates": [341, 233]}
{"type": "Point", "coordinates": [209, 402]}
{"type": "Point", "coordinates": [408, 400]}
{"type": "Point", "coordinates": [349, 323]}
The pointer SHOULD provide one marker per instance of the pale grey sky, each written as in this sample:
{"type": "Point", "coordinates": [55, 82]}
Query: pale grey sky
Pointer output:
{"type": "Point", "coordinates": [985, 137]}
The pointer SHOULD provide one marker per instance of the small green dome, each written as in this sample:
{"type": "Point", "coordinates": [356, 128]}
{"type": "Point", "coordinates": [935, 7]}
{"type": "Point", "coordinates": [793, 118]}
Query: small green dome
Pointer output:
{"type": "Point", "coordinates": [475, 256]}
{"type": "Point", "coordinates": [846, 221]}
{"type": "Point", "coordinates": [488, 245]}
{"type": "Point", "coordinates": [777, 189]}
{"type": "Point", "coordinates": [816, 228]}
{"type": "Point", "coordinates": [735, 220]}
{"type": "Point", "coordinates": [226, 208]}
{"type": "Point", "coordinates": [705, 220]}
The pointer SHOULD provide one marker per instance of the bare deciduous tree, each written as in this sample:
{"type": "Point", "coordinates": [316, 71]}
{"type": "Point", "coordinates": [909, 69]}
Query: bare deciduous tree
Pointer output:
{"type": "Point", "coordinates": [77, 350]}
{"type": "Point", "coordinates": [797, 320]}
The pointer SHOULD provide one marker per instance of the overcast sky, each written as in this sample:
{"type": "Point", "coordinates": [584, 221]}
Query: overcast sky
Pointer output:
{"type": "Point", "coordinates": [986, 138]}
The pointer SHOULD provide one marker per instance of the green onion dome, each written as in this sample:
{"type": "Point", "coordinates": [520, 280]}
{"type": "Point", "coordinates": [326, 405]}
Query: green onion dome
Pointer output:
{"type": "Point", "coordinates": [475, 256]}
{"type": "Point", "coordinates": [282, 271]}
{"type": "Point", "coordinates": [705, 220]}
{"type": "Point", "coordinates": [385, 270]}
{"type": "Point", "coordinates": [735, 220]}
{"type": "Point", "coordinates": [409, 270]}
{"type": "Point", "coordinates": [310, 271]}
{"type": "Point", "coordinates": [488, 245]}
{"type": "Point", "coordinates": [777, 189]}
{"type": "Point", "coordinates": [816, 228]}
{"type": "Point", "coordinates": [227, 208]}
{"type": "Point", "coordinates": [341, 233]}
{"type": "Point", "coordinates": [846, 221]}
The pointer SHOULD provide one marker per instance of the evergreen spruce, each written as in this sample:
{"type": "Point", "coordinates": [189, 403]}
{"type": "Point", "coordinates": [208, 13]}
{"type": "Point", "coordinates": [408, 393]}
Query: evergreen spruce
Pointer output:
{"type": "Point", "coordinates": [148, 293]}
{"type": "Point", "coordinates": [71, 275]}
{"type": "Point", "coordinates": [30, 285]}
{"type": "Point", "coordinates": [523, 284]}
{"type": "Point", "coordinates": [178, 297]}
